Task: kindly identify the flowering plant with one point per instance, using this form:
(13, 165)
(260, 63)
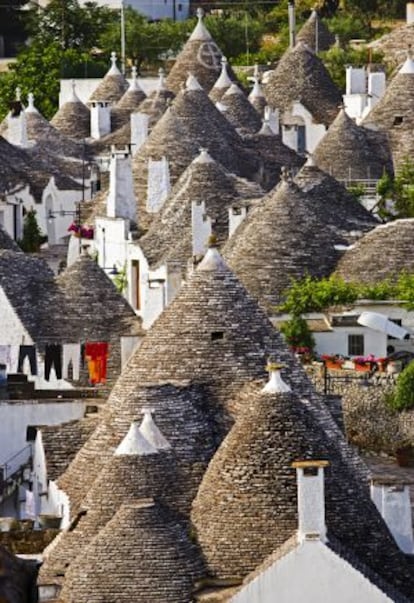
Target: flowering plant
(81, 230)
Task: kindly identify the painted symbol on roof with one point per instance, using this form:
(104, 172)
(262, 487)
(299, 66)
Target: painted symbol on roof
(209, 55)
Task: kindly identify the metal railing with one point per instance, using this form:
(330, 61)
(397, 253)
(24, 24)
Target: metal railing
(14, 464)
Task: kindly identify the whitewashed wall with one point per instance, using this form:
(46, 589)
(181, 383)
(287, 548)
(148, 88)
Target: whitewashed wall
(16, 416)
(311, 573)
(336, 341)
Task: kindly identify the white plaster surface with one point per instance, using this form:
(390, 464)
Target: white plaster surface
(311, 573)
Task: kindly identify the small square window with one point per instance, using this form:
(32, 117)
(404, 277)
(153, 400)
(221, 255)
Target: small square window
(216, 335)
(355, 345)
(398, 120)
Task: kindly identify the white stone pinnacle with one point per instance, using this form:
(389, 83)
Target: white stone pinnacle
(200, 31)
(161, 79)
(256, 90)
(275, 385)
(151, 432)
(408, 66)
(212, 260)
(234, 89)
(192, 83)
(204, 157)
(135, 443)
(223, 80)
(30, 104)
(114, 69)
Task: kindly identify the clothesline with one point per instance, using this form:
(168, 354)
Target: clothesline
(59, 357)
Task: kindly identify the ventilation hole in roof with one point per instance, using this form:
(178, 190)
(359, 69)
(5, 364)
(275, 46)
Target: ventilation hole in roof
(216, 335)
(398, 120)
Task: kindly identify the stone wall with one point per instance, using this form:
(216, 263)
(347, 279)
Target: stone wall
(31, 542)
(369, 423)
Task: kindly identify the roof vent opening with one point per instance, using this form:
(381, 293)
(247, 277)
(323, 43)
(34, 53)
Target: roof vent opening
(398, 120)
(216, 335)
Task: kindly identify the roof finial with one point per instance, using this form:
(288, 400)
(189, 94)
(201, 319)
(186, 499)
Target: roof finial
(30, 102)
(223, 80)
(408, 66)
(256, 72)
(275, 385)
(204, 156)
(161, 79)
(310, 162)
(151, 432)
(200, 14)
(134, 73)
(192, 83)
(200, 32)
(135, 443)
(285, 174)
(18, 94)
(113, 58)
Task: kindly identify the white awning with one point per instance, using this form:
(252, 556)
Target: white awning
(381, 323)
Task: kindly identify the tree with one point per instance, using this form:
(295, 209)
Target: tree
(12, 24)
(403, 398)
(337, 59)
(297, 334)
(397, 194)
(32, 236)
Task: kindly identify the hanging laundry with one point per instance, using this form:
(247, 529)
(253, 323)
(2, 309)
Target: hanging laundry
(96, 354)
(53, 357)
(27, 351)
(71, 354)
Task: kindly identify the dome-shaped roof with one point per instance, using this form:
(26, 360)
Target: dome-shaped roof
(192, 122)
(200, 55)
(112, 87)
(393, 112)
(365, 261)
(73, 118)
(281, 239)
(143, 554)
(239, 111)
(204, 181)
(333, 204)
(315, 34)
(301, 76)
(247, 502)
(351, 152)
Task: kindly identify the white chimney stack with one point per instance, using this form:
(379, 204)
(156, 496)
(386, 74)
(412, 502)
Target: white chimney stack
(311, 499)
(100, 119)
(410, 13)
(392, 499)
(201, 225)
(139, 130)
(121, 202)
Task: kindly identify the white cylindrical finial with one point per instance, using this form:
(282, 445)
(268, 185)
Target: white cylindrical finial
(310, 160)
(18, 94)
(275, 385)
(256, 73)
(150, 431)
(135, 443)
(30, 103)
(161, 79)
(113, 58)
(134, 73)
(200, 14)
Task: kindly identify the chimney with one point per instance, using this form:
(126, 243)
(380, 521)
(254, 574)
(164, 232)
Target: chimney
(237, 214)
(201, 227)
(121, 202)
(100, 119)
(392, 499)
(292, 23)
(311, 499)
(158, 186)
(410, 12)
(139, 130)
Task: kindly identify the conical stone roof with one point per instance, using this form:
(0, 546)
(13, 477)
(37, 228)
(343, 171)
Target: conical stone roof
(351, 152)
(192, 122)
(124, 479)
(112, 87)
(95, 309)
(315, 34)
(393, 45)
(212, 332)
(200, 55)
(281, 239)
(204, 181)
(156, 104)
(73, 118)
(301, 76)
(273, 155)
(128, 103)
(393, 112)
(223, 82)
(239, 111)
(6, 242)
(143, 554)
(333, 204)
(247, 503)
(29, 285)
(383, 253)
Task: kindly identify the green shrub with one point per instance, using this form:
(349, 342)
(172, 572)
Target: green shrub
(403, 398)
(297, 334)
